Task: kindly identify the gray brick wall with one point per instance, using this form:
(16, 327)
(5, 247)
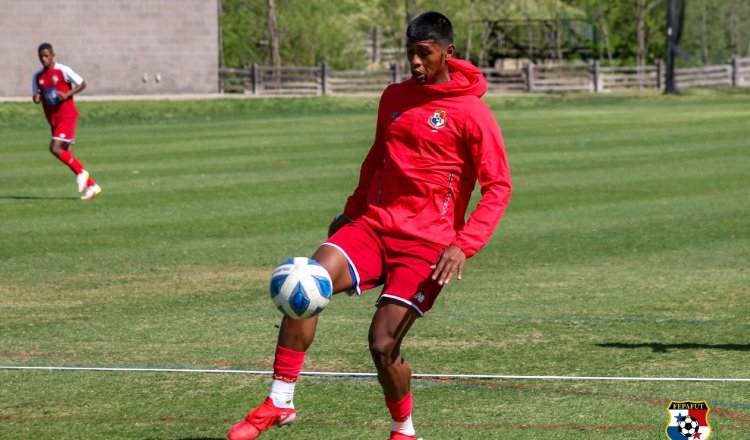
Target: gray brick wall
(120, 47)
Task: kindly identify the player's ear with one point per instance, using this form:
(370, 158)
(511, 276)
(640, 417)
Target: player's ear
(449, 51)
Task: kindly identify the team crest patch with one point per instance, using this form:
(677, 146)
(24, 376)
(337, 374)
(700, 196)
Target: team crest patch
(688, 421)
(438, 119)
(55, 79)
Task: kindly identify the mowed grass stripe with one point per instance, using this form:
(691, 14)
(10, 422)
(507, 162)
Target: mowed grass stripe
(622, 254)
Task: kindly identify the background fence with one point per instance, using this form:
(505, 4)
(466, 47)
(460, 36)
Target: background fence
(321, 80)
(306, 81)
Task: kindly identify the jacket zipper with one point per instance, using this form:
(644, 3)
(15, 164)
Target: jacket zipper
(447, 199)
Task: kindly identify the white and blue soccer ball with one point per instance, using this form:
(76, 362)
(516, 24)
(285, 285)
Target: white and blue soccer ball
(301, 288)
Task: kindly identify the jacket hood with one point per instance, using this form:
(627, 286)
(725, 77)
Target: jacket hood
(466, 79)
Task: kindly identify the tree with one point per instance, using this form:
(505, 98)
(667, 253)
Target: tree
(642, 9)
(243, 24)
(273, 32)
(714, 31)
(308, 32)
(292, 32)
(703, 18)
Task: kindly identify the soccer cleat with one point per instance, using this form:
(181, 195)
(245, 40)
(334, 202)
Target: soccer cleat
(398, 436)
(261, 419)
(91, 192)
(81, 179)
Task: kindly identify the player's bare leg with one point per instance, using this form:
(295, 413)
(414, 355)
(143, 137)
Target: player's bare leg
(295, 337)
(298, 334)
(389, 326)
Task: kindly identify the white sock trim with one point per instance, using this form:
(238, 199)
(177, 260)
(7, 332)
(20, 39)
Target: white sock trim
(406, 427)
(282, 393)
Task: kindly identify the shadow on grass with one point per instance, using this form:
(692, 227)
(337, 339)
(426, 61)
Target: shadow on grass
(36, 198)
(658, 347)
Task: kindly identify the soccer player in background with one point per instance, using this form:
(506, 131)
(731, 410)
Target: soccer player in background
(54, 86)
(404, 226)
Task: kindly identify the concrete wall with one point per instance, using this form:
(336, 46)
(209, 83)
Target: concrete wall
(118, 46)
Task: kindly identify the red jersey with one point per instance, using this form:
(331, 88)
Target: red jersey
(59, 78)
(432, 144)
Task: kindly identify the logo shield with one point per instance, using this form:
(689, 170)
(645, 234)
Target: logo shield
(688, 420)
(438, 119)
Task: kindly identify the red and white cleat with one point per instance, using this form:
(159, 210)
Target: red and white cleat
(91, 192)
(260, 419)
(398, 436)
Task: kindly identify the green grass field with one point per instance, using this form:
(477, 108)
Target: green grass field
(624, 252)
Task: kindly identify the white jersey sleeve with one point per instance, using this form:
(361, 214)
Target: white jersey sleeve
(70, 75)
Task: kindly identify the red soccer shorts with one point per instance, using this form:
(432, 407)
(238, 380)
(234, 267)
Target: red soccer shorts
(63, 129)
(402, 266)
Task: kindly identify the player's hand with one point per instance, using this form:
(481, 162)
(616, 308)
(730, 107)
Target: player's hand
(338, 221)
(37, 98)
(62, 96)
(450, 261)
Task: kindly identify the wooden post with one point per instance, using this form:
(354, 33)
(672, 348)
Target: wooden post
(597, 72)
(324, 78)
(254, 80)
(659, 73)
(735, 73)
(529, 68)
(396, 70)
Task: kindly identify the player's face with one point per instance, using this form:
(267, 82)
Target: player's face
(47, 58)
(428, 61)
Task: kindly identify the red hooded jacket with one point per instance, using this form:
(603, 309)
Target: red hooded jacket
(432, 144)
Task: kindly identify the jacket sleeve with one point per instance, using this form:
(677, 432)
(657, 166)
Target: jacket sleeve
(356, 204)
(484, 141)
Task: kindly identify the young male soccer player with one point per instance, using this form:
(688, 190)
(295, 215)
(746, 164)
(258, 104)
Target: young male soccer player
(404, 226)
(54, 86)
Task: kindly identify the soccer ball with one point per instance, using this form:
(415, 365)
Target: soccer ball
(301, 287)
(688, 426)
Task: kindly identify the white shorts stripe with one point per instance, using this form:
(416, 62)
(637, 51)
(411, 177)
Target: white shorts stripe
(355, 288)
(407, 302)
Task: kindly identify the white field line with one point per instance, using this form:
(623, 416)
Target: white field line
(415, 375)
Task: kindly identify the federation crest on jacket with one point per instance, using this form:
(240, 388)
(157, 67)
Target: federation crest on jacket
(438, 119)
(688, 421)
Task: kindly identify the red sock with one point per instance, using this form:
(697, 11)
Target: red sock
(400, 410)
(69, 160)
(287, 364)
(90, 182)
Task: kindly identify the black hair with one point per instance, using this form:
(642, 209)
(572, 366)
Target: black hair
(430, 26)
(45, 46)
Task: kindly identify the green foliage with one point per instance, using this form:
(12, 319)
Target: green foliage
(313, 31)
(620, 21)
(623, 253)
(715, 31)
(244, 33)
